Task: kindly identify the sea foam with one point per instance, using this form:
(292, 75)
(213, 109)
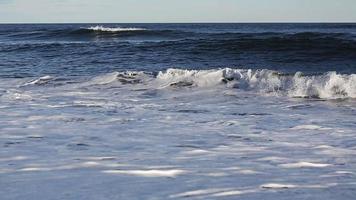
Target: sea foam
(330, 85)
(114, 29)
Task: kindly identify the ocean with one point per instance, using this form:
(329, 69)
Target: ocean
(177, 111)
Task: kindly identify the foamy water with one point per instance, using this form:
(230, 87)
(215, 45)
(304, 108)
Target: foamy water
(195, 134)
(177, 111)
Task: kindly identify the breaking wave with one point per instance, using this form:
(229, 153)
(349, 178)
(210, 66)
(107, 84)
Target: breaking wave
(116, 29)
(330, 85)
(129, 77)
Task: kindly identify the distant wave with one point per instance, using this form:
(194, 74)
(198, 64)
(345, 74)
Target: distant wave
(314, 43)
(116, 29)
(96, 32)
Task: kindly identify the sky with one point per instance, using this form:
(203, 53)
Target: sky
(130, 11)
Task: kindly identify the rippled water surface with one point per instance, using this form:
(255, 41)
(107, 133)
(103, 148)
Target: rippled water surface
(178, 111)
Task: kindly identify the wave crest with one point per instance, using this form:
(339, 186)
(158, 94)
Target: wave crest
(326, 86)
(39, 81)
(330, 85)
(128, 77)
(116, 29)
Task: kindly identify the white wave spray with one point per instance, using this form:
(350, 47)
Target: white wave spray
(330, 85)
(326, 86)
(116, 29)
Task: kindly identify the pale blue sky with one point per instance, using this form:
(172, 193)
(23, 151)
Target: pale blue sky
(97, 11)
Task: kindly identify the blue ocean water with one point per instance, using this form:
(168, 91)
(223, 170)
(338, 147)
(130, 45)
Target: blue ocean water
(89, 49)
(177, 111)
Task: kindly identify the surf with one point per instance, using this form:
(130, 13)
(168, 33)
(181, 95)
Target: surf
(329, 85)
(114, 29)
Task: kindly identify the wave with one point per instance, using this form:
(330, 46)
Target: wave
(128, 77)
(39, 81)
(95, 32)
(116, 29)
(298, 47)
(329, 85)
(244, 39)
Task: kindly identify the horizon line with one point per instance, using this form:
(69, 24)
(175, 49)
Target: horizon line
(204, 22)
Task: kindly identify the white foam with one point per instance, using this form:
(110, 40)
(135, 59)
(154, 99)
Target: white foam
(213, 192)
(119, 77)
(15, 158)
(229, 193)
(194, 193)
(277, 186)
(304, 165)
(309, 127)
(115, 29)
(18, 95)
(39, 81)
(34, 169)
(154, 141)
(266, 82)
(148, 173)
(328, 86)
(200, 78)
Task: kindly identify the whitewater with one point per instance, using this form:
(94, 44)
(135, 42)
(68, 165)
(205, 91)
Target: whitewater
(113, 29)
(237, 133)
(178, 111)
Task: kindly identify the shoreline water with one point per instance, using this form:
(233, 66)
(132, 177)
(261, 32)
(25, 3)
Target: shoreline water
(107, 116)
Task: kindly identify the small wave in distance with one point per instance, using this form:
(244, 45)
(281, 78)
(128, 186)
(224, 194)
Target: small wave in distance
(114, 29)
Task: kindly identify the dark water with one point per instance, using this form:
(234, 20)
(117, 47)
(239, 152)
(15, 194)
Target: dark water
(75, 49)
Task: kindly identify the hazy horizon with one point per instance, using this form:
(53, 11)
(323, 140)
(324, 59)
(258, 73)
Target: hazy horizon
(222, 22)
(183, 11)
